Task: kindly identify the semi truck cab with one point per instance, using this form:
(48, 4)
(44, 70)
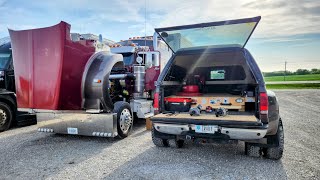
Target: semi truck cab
(6, 67)
(9, 115)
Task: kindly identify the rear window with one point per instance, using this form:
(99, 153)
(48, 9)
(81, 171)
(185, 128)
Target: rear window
(221, 73)
(217, 74)
(207, 67)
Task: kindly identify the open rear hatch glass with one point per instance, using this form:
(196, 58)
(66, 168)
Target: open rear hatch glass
(232, 33)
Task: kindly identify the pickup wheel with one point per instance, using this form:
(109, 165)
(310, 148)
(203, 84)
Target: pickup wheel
(276, 152)
(175, 143)
(124, 118)
(5, 116)
(253, 151)
(158, 141)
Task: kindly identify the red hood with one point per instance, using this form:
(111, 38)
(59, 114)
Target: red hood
(48, 67)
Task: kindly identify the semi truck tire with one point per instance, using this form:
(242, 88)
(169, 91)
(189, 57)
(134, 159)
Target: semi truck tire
(6, 115)
(276, 152)
(124, 118)
(156, 140)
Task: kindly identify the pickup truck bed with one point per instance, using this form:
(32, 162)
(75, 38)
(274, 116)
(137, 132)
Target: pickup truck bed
(207, 100)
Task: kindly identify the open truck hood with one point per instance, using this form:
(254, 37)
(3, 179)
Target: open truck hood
(232, 33)
(48, 67)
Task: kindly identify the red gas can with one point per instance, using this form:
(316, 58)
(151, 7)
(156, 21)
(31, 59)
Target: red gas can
(191, 89)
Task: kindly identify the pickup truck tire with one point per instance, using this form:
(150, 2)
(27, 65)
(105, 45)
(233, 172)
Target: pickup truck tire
(251, 150)
(158, 141)
(276, 152)
(124, 118)
(175, 143)
(6, 115)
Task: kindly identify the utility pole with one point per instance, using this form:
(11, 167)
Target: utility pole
(285, 70)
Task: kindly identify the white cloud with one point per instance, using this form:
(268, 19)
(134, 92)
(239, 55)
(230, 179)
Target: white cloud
(283, 21)
(279, 18)
(282, 39)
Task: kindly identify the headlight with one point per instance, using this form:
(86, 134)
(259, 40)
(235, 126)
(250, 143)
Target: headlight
(1, 73)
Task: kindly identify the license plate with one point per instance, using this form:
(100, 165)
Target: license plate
(72, 130)
(206, 129)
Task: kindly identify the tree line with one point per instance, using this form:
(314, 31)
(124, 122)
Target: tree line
(297, 72)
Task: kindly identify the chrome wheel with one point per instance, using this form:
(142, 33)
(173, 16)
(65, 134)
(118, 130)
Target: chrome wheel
(3, 117)
(125, 120)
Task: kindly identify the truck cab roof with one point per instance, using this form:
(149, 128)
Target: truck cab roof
(6, 47)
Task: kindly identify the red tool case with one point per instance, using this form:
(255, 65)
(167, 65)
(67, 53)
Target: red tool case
(178, 104)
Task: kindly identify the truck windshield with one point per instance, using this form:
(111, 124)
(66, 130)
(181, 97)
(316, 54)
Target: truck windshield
(4, 59)
(128, 58)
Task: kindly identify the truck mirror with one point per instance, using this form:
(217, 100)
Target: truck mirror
(148, 60)
(139, 60)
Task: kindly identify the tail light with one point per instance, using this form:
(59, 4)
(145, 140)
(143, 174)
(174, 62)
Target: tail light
(263, 103)
(156, 103)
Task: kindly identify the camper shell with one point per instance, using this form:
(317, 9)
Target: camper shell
(229, 99)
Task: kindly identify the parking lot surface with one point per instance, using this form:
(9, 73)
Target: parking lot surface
(27, 154)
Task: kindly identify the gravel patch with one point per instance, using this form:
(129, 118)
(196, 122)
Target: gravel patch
(27, 154)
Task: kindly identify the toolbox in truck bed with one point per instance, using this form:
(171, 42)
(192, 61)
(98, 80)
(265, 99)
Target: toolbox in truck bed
(181, 104)
(224, 100)
(206, 116)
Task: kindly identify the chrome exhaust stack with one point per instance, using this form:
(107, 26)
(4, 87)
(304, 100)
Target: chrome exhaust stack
(155, 41)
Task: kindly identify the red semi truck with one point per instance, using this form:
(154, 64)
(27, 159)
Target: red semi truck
(74, 89)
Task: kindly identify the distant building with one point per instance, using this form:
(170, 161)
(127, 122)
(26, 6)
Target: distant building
(88, 36)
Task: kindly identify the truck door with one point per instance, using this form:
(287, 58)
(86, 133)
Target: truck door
(9, 77)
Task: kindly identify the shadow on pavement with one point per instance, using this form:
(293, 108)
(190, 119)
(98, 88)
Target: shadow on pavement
(28, 154)
(210, 161)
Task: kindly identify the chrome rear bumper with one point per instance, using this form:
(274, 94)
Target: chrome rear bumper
(233, 133)
(77, 123)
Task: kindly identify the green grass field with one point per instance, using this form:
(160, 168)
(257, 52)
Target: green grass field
(293, 86)
(308, 77)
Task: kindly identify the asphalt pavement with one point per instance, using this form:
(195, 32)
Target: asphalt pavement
(27, 154)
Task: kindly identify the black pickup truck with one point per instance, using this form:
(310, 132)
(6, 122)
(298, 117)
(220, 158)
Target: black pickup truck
(212, 90)
(9, 115)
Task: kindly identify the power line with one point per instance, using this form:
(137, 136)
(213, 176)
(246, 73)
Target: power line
(291, 62)
(145, 23)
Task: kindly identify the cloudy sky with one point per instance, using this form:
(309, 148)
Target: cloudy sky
(288, 31)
